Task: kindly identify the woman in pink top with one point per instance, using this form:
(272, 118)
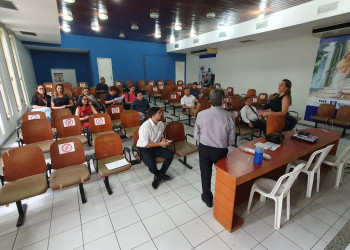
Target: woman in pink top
(130, 97)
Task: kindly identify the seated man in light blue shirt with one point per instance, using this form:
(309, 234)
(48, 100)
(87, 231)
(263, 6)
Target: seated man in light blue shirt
(151, 144)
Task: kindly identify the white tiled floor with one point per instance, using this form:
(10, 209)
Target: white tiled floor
(136, 216)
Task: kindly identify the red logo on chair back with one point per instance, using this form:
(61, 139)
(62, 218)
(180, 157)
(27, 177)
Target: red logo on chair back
(115, 110)
(33, 117)
(69, 122)
(49, 86)
(217, 86)
(82, 84)
(229, 90)
(173, 96)
(179, 87)
(99, 121)
(161, 87)
(150, 83)
(66, 148)
(200, 86)
(155, 89)
(49, 93)
(227, 99)
(255, 99)
(179, 93)
(118, 83)
(262, 97)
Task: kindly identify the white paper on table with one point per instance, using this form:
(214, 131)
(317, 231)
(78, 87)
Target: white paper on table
(117, 164)
(268, 145)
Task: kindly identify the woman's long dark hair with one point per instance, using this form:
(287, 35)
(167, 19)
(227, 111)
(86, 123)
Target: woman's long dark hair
(37, 94)
(289, 89)
(80, 102)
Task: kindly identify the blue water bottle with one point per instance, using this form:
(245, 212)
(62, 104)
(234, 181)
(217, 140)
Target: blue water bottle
(258, 155)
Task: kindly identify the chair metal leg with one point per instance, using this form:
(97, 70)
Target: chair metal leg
(82, 193)
(184, 161)
(21, 212)
(108, 187)
(235, 142)
(174, 112)
(189, 121)
(165, 107)
(343, 134)
(316, 124)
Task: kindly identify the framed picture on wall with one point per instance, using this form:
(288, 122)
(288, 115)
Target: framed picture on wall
(58, 77)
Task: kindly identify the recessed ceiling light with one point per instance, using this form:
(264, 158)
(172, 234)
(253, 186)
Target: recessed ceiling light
(154, 14)
(121, 35)
(95, 26)
(157, 35)
(178, 26)
(66, 28)
(69, 1)
(172, 39)
(193, 34)
(134, 26)
(68, 17)
(211, 15)
(103, 15)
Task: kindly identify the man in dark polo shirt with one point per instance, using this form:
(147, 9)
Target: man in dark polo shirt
(102, 87)
(141, 106)
(195, 91)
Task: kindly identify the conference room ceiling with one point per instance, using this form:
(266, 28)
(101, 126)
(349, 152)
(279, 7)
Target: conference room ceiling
(191, 16)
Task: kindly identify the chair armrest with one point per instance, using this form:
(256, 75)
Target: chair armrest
(48, 167)
(17, 131)
(171, 119)
(192, 137)
(295, 112)
(2, 180)
(121, 129)
(88, 158)
(20, 142)
(127, 152)
(94, 160)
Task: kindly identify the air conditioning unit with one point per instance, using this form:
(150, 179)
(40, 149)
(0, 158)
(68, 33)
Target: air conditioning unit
(209, 51)
(332, 30)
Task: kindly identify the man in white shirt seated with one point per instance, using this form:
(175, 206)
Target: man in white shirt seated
(188, 103)
(152, 144)
(251, 116)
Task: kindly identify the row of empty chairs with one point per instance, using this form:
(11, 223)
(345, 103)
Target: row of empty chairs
(326, 114)
(280, 189)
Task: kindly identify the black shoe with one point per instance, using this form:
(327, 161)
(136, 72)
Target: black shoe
(155, 183)
(209, 204)
(166, 177)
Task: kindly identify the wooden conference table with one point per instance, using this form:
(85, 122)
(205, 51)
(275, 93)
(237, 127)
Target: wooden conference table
(235, 169)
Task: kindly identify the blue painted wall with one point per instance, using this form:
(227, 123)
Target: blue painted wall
(131, 60)
(44, 61)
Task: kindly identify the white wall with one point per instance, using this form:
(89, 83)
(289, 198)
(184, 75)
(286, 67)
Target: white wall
(263, 65)
(7, 126)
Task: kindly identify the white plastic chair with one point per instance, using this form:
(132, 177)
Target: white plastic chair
(339, 163)
(312, 167)
(276, 190)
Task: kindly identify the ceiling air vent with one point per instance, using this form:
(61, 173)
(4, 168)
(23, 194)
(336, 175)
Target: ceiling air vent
(176, 46)
(332, 30)
(327, 8)
(28, 33)
(261, 25)
(247, 41)
(222, 34)
(7, 5)
(195, 40)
